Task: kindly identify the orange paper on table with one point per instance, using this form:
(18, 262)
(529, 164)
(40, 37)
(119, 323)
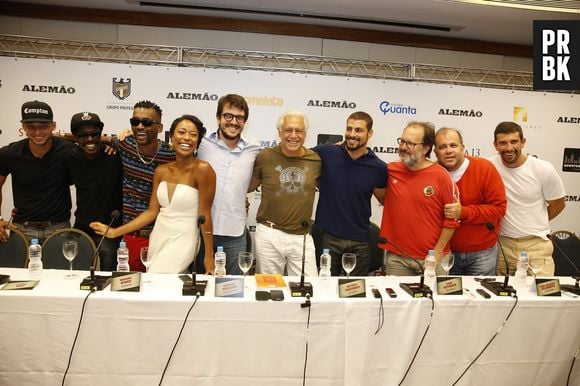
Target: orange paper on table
(269, 281)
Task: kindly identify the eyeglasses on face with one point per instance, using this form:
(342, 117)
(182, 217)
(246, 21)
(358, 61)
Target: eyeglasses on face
(410, 145)
(84, 136)
(146, 122)
(229, 116)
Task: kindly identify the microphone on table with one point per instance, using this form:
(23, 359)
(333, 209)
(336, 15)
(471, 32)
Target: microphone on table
(96, 282)
(302, 289)
(195, 287)
(383, 271)
(568, 287)
(416, 290)
(12, 215)
(499, 289)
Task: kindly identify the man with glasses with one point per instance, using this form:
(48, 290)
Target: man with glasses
(483, 202)
(98, 178)
(232, 158)
(289, 174)
(140, 154)
(40, 185)
(535, 195)
(417, 192)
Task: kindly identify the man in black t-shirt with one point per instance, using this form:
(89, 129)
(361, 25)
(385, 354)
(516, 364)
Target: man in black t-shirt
(98, 179)
(40, 185)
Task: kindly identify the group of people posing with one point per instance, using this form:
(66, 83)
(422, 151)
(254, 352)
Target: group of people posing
(456, 203)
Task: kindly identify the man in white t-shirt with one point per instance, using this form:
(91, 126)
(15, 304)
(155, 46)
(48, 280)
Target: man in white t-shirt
(535, 195)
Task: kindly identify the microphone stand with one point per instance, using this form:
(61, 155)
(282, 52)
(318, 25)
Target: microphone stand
(497, 288)
(416, 290)
(98, 282)
(573, 288)
(196, 287)
(302, 289)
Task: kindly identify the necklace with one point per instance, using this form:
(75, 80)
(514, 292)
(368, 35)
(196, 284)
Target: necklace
(154, 155)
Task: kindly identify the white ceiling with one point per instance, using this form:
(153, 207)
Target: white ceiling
(466, 18)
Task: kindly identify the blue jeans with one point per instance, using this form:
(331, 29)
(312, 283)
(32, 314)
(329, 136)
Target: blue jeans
(232, 247)
(107, 252)
(32, 232)
(480, 263)
(337, 246)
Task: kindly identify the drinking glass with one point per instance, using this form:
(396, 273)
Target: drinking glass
(70, 248)
(447, 262)
(348, 263)
(536, 265)
(146, 260)
(245, 260)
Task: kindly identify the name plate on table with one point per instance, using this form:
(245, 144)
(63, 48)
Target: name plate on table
(449, 285)
(548, 287)
(126, 281)
(20, 285)
(352, 288)
(229, 287)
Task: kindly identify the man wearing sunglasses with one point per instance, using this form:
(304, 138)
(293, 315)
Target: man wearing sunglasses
(232, 158)
(140, 154)
(98, 178)
(40, 185)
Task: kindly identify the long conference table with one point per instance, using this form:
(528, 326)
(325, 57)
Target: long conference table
(126, 337)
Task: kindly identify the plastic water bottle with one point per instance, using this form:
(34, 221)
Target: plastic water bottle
(123, 258)
(430, 264)
(220, 262)
(325, 260)
(522, 269)
(34, 260)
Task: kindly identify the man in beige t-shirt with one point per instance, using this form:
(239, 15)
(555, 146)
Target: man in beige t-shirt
(289, 174)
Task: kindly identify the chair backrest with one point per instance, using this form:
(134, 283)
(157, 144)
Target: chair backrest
(376, 253)
(568, 244)
(53, 258)
(14, 252)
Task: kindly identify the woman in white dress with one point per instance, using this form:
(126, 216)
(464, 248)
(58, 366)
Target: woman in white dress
(184, 189)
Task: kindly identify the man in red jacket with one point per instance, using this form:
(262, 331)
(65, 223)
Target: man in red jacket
(483, 201)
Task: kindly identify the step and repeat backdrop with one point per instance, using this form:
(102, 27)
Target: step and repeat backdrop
(551, 121)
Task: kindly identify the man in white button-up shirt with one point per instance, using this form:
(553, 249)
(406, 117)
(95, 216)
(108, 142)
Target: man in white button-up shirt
(232, 158)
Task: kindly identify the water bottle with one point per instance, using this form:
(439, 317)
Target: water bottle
(220, 262)
(34, 260)
(522, 269)
(123, 258)
(430, 264)
(325, 260)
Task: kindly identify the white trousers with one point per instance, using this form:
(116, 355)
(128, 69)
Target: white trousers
(276, 250)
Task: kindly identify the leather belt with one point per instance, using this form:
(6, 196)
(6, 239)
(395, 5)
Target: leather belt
(38, 224)
(269, 224)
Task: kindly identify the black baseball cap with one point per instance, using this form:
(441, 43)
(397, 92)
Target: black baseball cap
(36, 111)
(83, 119)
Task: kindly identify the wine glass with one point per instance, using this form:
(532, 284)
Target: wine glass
(245, 260)
(348, 263)
(447, 262)
(146, 260)
(536, 265)
(70, 248)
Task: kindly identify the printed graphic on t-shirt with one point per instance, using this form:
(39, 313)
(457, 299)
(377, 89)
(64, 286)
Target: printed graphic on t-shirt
(292, 180)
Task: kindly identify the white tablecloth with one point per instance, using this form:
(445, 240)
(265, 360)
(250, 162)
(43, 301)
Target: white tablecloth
(126, 338)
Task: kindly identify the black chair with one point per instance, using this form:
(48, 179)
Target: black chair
(376, 253)
(14, 252)
(570, 245)
(53, 258)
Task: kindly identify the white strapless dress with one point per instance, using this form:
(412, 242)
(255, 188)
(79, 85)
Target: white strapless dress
(173, 241)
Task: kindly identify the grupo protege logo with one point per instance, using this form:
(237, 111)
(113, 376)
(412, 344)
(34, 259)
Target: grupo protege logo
(387, 107)
(121, 88)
